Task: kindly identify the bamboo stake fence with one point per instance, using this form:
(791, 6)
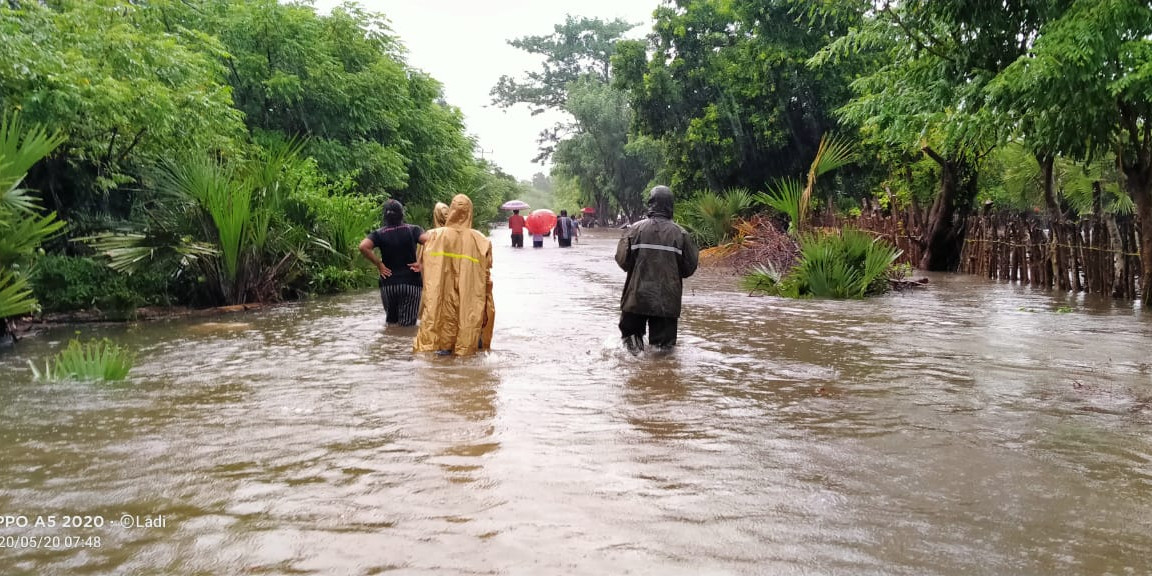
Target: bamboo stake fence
(1094, 254)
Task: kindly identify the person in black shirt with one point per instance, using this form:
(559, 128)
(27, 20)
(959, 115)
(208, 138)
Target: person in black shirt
(400, 281)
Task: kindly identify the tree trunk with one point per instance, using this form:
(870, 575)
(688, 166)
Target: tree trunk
(944, 237)
(1140, 188)
(1119, 258)
(1055, 226)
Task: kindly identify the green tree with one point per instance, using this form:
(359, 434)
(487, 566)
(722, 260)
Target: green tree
(124, 90)
(1084, 90)
(728, 91)
(578, 48)
(934, 60)
(612, 168)
(341, 80)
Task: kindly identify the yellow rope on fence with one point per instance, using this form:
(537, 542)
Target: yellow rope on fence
(1046, 245)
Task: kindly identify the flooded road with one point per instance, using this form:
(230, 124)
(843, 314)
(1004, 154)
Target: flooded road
(970, 428)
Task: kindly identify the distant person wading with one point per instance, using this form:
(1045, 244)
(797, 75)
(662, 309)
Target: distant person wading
(565, 230)
(516, 223)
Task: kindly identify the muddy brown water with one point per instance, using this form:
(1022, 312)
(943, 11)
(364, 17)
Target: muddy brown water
(969, 428)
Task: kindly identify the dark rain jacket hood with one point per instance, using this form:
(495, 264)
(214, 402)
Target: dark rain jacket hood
(660, 202)
(657, 254)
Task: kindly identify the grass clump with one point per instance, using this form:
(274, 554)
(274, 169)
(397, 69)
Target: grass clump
(846, 264)
(94, 360)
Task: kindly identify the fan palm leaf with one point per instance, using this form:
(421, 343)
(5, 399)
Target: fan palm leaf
(832, 153)
(15, 295)
(223, 196)
(131, 252)
(784, 196)
(20, 149)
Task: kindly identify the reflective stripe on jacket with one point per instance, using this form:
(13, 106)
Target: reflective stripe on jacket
(657, 254)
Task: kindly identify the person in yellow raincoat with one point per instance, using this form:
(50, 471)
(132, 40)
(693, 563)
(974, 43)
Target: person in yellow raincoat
(458, 314)
(439, 215)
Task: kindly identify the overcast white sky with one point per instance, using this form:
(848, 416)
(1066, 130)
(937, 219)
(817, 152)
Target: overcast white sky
(463, 44)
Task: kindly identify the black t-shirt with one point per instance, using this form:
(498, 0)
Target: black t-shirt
(397, 245)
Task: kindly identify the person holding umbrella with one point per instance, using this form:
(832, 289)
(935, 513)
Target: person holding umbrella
(540, 222)
(516, 223)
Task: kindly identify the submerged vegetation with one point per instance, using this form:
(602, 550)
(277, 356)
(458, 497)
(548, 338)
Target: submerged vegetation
(93, 360)
(836, 264)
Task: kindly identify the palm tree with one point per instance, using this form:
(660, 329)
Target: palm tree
(22, 227)
(238, 239)
(787, 196)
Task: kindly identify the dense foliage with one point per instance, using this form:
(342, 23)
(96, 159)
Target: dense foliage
(1029, 105)
(236, 149)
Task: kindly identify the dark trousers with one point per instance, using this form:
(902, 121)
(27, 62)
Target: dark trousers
(662, 331)
(565, 242)
(517, 240)
(401, 303)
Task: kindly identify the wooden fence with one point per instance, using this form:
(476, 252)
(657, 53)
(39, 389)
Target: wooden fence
(1094, 254)
(902, 230)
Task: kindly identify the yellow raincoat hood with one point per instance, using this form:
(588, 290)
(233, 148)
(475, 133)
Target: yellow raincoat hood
(439, 215)
(457, 313)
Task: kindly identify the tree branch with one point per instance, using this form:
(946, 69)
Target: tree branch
(916, 39)
(934, 155)
(111, 143)
(982, 155)
(135, 141)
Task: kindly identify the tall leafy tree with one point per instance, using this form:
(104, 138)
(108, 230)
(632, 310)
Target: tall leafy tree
(612, 167)
(728, 90)
(341, 80)
(579, 47)
(927, 93)
(1084, 89)
(123, 89)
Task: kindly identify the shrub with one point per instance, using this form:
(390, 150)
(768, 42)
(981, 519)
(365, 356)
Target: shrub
(843, 264)
(67, 283)
(333, 279)
(711, 218)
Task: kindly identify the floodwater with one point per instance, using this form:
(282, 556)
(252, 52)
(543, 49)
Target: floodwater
(968, 428)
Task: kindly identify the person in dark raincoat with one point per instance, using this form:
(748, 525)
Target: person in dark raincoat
(658, 255)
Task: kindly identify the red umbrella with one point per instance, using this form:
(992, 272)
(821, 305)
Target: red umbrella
(541, 221)
(589, 210)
